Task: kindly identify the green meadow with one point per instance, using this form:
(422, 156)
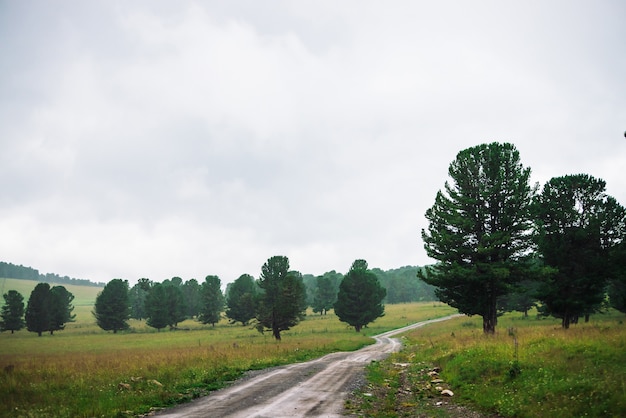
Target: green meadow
(84, 296)
(530, 368)
(83, 371)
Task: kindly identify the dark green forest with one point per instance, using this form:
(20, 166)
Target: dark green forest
(13, 271)
(402, 284)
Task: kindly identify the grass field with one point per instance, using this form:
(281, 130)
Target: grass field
(530, 368)
(84, 371)
(84, 296)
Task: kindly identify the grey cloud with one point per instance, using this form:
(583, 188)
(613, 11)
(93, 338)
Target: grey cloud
(198, 138)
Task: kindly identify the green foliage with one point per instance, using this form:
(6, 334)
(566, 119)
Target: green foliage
(325, 295)
(522, 297)
(191, 298)
(12, 312)
(112, 309)
(403, 286)
(174, 300)
(61, 308)
(48, 309)
(9, 270)
(158, 306)
(137, 298)
(577, 227)
(241, 300)
(18, 272)
(479, 230)
(38, 309)
(211, 301)
(551, 373)
(360, 297)
(282, 302)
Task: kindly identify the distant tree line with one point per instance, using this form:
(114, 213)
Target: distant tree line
(13, 271)
(401, 285)
(504, 245)
(275, 302)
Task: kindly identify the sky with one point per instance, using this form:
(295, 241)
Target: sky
(192, 138)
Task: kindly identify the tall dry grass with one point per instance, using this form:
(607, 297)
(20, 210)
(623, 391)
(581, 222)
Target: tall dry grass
(83, 371)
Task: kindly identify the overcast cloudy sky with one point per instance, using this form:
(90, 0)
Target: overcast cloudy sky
(160, 138)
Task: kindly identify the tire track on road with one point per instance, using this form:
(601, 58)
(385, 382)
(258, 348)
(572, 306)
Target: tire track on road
(316, 388)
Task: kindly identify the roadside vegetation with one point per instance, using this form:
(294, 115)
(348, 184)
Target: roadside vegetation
(85, 371)
(530, 368)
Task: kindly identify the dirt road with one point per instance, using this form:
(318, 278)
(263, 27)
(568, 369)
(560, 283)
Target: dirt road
(316, 388)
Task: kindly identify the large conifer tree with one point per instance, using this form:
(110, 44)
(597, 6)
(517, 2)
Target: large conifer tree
(38, 309)
(360, 297)
(112, 308)
(61, 308)
(324, 296)
(12, 314)
(157, 307)
(211, 300)
(578, 226)
(241, 300)
(282, 303)
(480, 230)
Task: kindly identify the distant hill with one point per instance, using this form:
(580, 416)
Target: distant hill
(13, 271)
(83, 295)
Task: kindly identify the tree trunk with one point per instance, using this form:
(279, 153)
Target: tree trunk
(115, 331)
(490, 319)
(565, 321)
(489, 325)
(276, 333)
(357, 328)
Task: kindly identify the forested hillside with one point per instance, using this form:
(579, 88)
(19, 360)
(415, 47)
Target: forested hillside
(402, 285)
(13, 271)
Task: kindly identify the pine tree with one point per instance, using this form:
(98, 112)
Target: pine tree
(112, 309)
(241, 300)
(282, 303)
(157, 309)
(12, 313)
(480, 231)
(325, 295)
(211, 301)
(60, 308)
(578, 225)
(360, 297)
(38, 309)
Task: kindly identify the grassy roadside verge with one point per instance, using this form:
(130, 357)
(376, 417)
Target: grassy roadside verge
(86, 372)
(530, 368)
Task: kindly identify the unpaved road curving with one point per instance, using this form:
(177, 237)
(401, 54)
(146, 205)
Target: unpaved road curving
(316, 388)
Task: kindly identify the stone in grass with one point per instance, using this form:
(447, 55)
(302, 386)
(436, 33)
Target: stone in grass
(401, 365)
(447, 392)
